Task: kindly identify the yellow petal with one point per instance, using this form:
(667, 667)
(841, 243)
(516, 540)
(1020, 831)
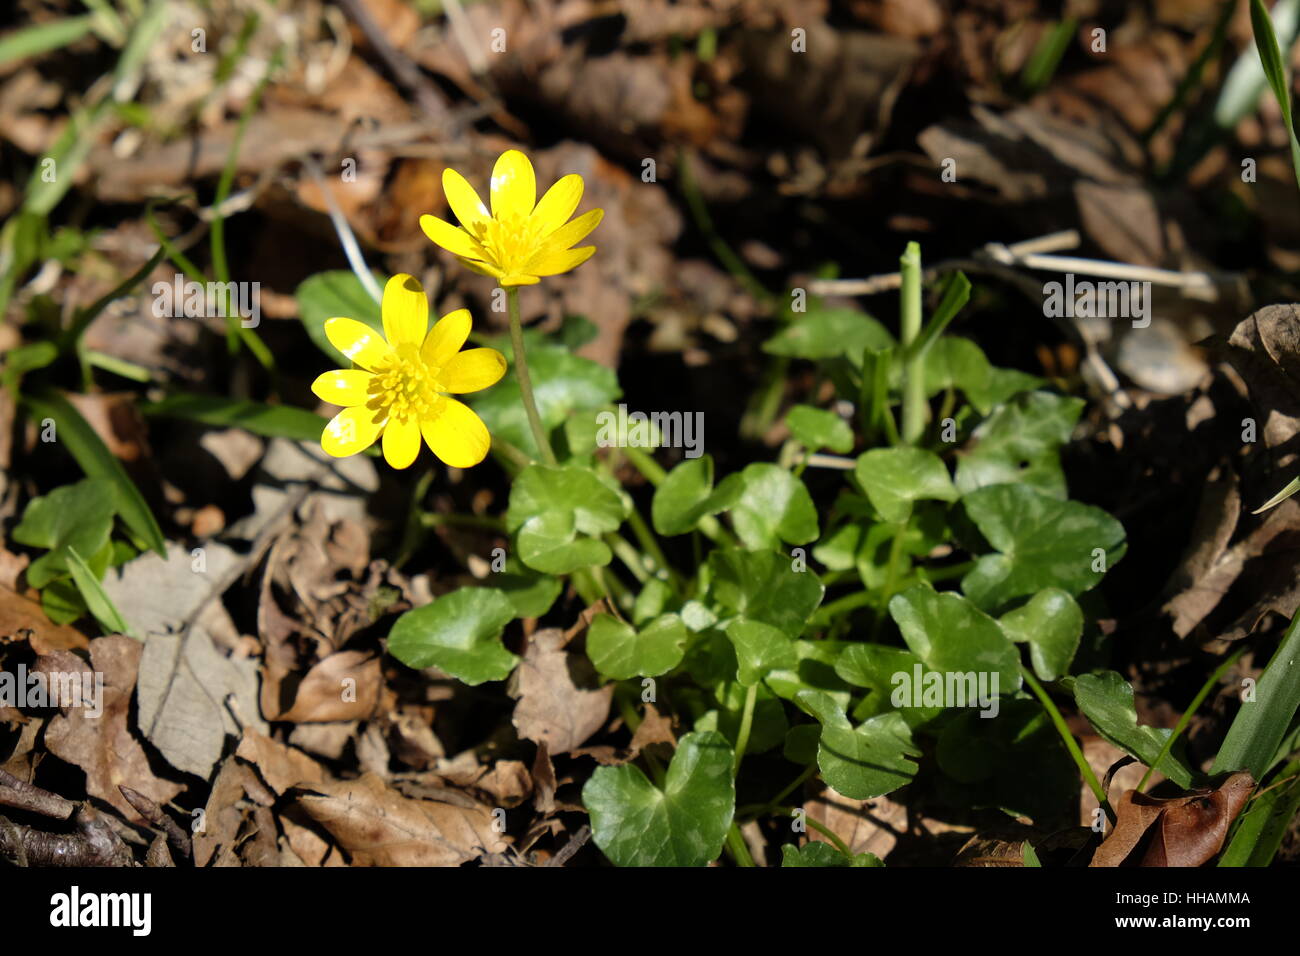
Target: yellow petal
(351, 430)
(445, 338)
(358, 341)
(556, 262)
(456, 241)
(558, 204)
(401, 442)
(518, 279)
(343, 386)
(405, 310)
(472, 370)
(482, 268)
(457, 436)
(569, 234)
(514, 186)
(464, 201)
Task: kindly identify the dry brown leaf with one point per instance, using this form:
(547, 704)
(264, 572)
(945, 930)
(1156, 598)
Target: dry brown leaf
(377, 826)
(103, 746)
(551, 707)
(280, 766)
(343, 686)
(21, 617)
(1188, 830)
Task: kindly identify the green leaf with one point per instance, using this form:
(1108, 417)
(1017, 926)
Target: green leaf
(763, 586)
(951, 635)
(1260, 725)
(816, 853)
(531, 593)
(619, 651)
(333, 294)
(1028, 856)
(827, 333)
(686, 495)
(78, 516)
(1106, 699)
(817, 428)
(551, 506)
(270, 421)
(813, 669)
(760, 649)
(1020, 443)
(98, 462)
(97, 601)
(1043, 542)
(1275, 71)
(1265, 823)
(1051, 623)
(893, 478)
(636, 824)
(562, 384)
(959, 363)
(863, 762)
(459, 633)
(769, 505)
(768, 726)
(62, 602)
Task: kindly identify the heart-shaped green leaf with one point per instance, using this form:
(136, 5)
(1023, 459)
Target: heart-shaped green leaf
(459, 633)
(1020, 443)
(551, 506)
(531, 593)
(1051, 623)
(827, 333)
(951, 635)
(893, 478)
(1043, 542)
(636, 824)
(954, 362)
(1106, 699)
(620, 651)
(77, 516)
(769, 505)
(867, 761)
(816, 428)
(686, 495)
(760, 649)
(763, 586)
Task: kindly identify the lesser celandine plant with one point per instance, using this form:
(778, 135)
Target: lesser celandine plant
(960, 574)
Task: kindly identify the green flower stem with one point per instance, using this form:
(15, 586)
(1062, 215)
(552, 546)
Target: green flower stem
(1190, 712)
(914, 405)
(1059, 722)
(453, 520)
(628, 555)
(746, 724)
(650, 544)
(525, 381)
(736, 845)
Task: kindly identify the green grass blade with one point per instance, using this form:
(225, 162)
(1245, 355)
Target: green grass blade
(98, 462)
(33, 41)
(1258, 729)
(97, 600)
(270, 421)
(1270, 56)
(1260, 830)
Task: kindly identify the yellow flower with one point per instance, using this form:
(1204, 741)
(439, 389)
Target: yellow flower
(396, 387)
(521, 238)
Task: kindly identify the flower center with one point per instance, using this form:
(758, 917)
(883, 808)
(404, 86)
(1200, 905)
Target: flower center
(509, 240)
(406, 386)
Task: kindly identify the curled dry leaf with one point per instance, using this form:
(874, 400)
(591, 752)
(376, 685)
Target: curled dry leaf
(1174, 831)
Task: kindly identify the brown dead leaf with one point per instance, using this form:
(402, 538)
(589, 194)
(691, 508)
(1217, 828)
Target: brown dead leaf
(377, 826)
(1265, 349)
(21, 617)
(103, 745)
(344, 686)
(280, 766)
(551, 706)
(1184, 831)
